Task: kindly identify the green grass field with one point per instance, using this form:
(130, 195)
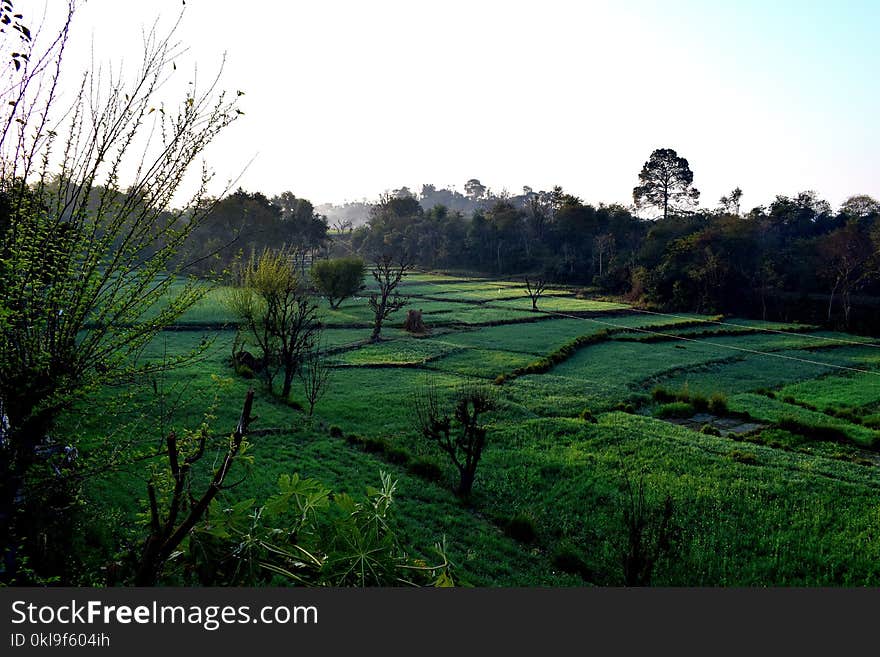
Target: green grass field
(752, 511)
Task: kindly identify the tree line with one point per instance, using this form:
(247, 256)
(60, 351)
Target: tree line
(796, 258)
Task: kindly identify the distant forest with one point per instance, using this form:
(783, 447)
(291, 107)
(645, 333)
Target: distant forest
(796, 259)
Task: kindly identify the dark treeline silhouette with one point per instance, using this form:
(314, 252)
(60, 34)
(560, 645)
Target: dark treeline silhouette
(244, 223)
(794, 259)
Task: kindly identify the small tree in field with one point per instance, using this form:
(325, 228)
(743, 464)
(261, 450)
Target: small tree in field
(457, 430)
(339, 278)
(278, 313)
(315, 376)
(387, 273)
(535, 289)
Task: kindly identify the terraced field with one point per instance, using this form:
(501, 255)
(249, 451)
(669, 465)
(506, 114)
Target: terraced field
(792, 503)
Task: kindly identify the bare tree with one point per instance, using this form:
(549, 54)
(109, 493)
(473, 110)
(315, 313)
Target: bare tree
(315, 375)
(535, 289)
(184, 509)
(603, 248)
(457, 430)
(387, 272)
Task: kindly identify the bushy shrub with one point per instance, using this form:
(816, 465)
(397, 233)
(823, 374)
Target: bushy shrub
(335, 431)
(709, 430)
(338, 279)
(587, 416)
(675, 410)
(662, 395)
(698, 401)
(718, 403)
(775, 437)
(821, 432)
(521, 527)
(744, 457)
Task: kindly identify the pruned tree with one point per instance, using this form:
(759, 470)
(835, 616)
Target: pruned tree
(315, 374)
(456, 427)
(338, 278)
(665, 182)
(90, 249)
(278, 313)
(535, 289)
(387, 272)
(183, 508)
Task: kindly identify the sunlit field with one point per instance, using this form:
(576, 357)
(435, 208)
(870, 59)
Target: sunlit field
(791, 501)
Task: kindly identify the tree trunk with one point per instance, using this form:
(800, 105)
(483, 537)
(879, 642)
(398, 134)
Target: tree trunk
(465, 483)
(289, 371)
(831, 299)
(377, 324)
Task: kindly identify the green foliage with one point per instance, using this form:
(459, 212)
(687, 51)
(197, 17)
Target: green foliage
(338, 278)
(306, 536)
(662, 395)
(90, 246)
(587, 416)
(744, 457)
(718, 403)
(816, 425)
(821, 432)
(278, 314)
(560, 355)
(675, 410)
(798, 519)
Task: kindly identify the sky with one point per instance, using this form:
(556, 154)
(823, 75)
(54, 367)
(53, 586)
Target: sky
(346, 99)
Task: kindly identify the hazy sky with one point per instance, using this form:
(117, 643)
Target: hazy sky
(347, 99)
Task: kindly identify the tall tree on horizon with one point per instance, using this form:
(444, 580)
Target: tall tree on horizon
(665, 181)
